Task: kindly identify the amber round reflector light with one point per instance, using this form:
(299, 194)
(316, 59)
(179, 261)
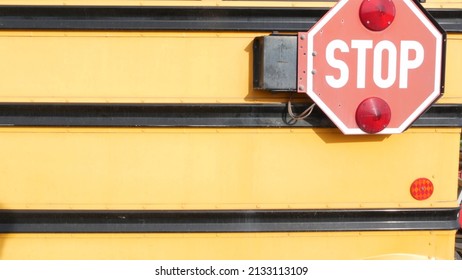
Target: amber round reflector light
(373, 115)
(377, 15)
(422, 189)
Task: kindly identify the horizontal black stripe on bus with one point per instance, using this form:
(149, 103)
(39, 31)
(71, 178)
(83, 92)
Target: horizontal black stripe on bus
(184, 221)
(189, 115)
(39, 17)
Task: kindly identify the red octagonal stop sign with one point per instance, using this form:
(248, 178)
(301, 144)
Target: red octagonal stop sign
(373, 66)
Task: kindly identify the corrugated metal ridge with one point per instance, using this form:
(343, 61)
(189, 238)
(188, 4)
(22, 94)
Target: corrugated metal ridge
(184, 221)
(189, 115)
(118, 18)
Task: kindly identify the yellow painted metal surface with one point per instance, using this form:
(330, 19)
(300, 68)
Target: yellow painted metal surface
(146, 67)
(453, 90)
(126, 67)
(102, 168)
(248, 246)
(200, 168)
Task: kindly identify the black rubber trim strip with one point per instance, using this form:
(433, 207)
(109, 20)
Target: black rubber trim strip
(459, 242)
(183, 221)
(131, 18)
(188, 115)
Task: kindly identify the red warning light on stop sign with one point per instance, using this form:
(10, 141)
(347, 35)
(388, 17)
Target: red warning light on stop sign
(387, 50)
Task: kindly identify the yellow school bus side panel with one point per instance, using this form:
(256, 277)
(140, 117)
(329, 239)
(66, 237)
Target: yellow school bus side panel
(248, 246)
(57, 169)
(194, 168)
(453, 88)
(126, 67)
(147, 67)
